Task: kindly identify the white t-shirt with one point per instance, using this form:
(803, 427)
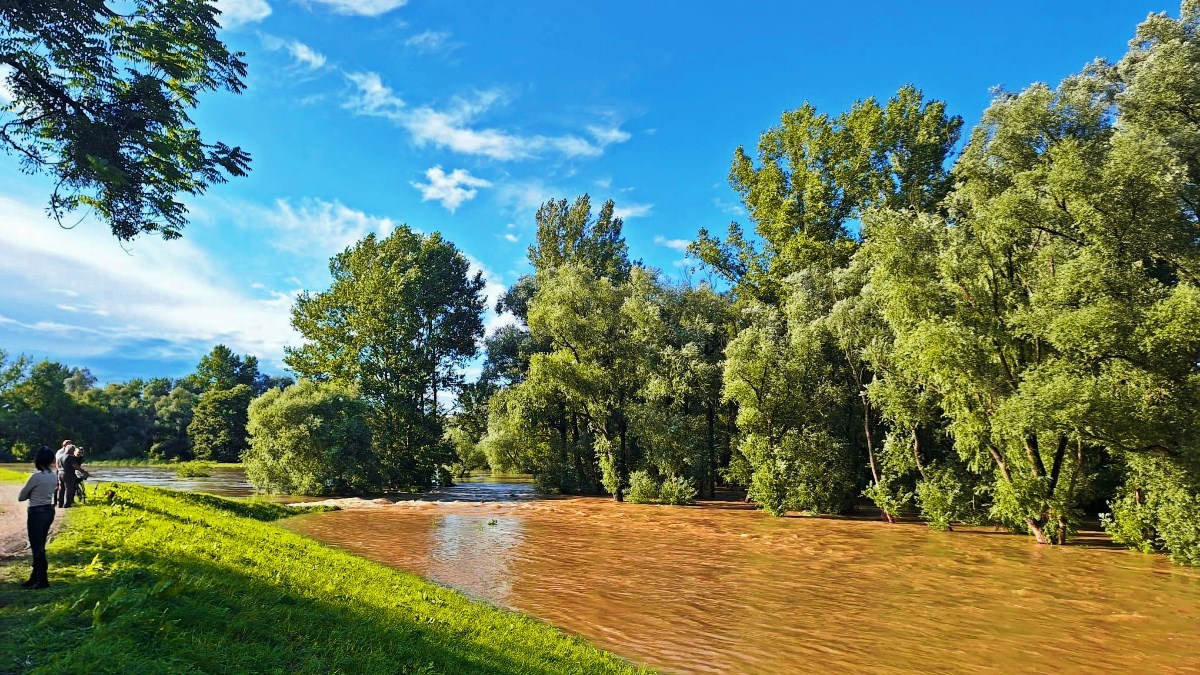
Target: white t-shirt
(39, 489)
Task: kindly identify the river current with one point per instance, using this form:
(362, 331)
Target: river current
(721, 588)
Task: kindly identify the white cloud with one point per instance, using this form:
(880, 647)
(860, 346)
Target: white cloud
(374, 98)
(523, 197)
(362, 7)
(728, 208)
(451, 189)
(609, 135)
(236, 13)
(453, 126)
(633, 211)
(431, 41)
(302, 55)
(6, 94)
(317, 228)
(673, 244)
(160, 291)
(493, 288)
(511, 237)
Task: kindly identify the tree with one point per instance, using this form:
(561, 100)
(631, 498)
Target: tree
(101, 95)
(218, 427)
(402, 315)
(312, 439)
(222, 369)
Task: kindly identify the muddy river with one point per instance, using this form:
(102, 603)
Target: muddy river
(720, 588)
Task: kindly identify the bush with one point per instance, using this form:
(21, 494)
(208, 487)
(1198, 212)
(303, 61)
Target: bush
(311, 439)
(642, 488)
(1158, 508)
(194, 469)
(677, 490)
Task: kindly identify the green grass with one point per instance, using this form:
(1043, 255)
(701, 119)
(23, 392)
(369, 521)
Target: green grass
(13, 476)
(165, 581)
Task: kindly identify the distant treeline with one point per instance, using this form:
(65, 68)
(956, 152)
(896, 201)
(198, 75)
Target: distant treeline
(201, 416)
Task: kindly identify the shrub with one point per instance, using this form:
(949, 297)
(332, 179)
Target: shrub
(642, 488)
(311, 439)
(677, 490)
(194, 469)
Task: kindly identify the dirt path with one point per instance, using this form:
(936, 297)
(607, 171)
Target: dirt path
(14, 538)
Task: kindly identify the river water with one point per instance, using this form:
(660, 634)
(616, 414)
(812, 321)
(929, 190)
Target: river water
(224, 481)
(721, 588)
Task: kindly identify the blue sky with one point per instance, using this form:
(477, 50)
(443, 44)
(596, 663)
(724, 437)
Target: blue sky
(464, 116)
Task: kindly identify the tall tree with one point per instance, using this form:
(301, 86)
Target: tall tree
(101, 94)
(402, 315)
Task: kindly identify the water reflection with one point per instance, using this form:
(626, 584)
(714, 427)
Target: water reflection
(488, 542)
(722, 589)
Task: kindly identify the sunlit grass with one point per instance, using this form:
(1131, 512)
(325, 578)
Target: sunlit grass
(165, 581)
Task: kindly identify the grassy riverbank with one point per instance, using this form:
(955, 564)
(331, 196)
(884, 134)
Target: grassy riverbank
(164, 581)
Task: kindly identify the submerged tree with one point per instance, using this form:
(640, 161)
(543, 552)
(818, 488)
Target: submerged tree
(402, 316)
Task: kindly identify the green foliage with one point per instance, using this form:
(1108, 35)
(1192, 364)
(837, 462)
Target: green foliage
(400, 319)
(101, 95)
(162, 581)
(218, 428)
(643, 489)
(1158, 508)
(194, 469)
(313, 439)
(676, 490)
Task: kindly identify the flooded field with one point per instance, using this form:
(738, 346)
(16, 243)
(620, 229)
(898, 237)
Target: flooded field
(720, 588)
(224, 481)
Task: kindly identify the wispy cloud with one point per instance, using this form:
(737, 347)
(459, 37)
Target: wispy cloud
(303, 56)
(373, 98)
(728, 208)
(524, 196)
(633, 211)
(316, 227)
(673, 244)
(432, 41)
(451, 189)
(509, 236)
(454, 127)
(163, 291)
(362, 7)
(235, 13)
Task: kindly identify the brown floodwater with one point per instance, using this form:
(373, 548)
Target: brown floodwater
(720, 588)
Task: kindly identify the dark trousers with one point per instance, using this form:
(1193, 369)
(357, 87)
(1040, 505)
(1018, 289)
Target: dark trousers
(67, 482)
(40, 518)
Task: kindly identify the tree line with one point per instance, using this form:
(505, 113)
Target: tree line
(200, 416)
(1004, 330)
(1008, 332)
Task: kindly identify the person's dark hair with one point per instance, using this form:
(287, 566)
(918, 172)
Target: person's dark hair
(44, 459)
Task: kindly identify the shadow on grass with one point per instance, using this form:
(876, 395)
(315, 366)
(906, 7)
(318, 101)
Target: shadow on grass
(276, 602)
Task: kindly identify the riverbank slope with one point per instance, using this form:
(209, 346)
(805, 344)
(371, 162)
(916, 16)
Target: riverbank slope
(171, 581)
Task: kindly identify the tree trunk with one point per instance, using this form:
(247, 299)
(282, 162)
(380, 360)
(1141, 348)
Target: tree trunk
(711, 485)
(866, 406)
(916, 448)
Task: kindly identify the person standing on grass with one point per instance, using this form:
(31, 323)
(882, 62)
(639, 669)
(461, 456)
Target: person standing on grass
(39, 492)
(58, 459)
(68, 479)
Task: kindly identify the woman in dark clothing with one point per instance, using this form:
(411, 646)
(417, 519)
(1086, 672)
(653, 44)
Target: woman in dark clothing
(39, 492)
